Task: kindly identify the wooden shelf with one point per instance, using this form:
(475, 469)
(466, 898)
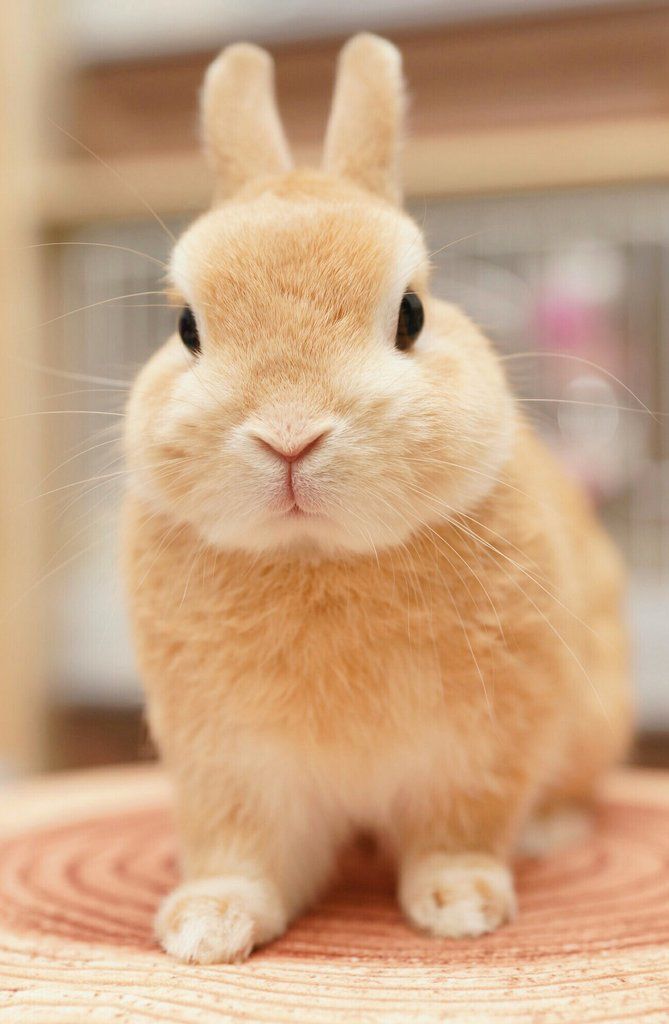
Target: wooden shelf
(79, 189)
(558, 99)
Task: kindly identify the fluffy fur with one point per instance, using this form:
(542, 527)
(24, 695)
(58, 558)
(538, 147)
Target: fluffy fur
(417, 628)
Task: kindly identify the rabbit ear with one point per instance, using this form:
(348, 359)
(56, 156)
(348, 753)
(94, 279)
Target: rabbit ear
(363, 135)
(242, 131)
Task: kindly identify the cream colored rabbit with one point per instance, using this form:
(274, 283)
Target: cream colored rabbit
(363, 594)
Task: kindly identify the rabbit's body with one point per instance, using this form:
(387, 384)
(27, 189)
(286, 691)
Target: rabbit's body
(435, 655)
(449, 645)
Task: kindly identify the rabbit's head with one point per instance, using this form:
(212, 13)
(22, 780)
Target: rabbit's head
(315, 396)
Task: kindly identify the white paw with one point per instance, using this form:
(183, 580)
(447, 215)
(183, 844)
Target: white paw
(457, 895)
(219, 920)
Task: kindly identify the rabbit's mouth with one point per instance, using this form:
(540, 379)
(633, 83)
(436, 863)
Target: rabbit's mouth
(294, 509)
(297, 512)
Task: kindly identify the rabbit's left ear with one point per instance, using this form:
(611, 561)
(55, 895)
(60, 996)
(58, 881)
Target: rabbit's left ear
(364, 132)
(242, 131)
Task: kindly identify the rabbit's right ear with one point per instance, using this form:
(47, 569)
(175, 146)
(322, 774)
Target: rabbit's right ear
(364, 132)
(242, 131)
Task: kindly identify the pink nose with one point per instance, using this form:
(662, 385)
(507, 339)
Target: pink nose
(292, 454)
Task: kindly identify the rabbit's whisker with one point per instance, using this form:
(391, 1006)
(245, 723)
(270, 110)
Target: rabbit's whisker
(112, 170)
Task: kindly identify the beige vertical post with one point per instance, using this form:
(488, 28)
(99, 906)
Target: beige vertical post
(21, 632)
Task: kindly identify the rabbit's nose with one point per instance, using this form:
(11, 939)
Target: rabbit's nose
(291, 453)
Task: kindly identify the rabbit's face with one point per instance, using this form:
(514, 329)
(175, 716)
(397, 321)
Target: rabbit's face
(320, 398)
(317, 398)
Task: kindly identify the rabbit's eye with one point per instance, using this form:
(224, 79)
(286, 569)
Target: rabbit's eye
(188, 329)
(409, 321)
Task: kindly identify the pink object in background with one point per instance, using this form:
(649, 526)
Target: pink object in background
(576, 318)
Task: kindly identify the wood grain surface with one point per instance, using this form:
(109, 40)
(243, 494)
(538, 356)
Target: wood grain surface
(84, 859)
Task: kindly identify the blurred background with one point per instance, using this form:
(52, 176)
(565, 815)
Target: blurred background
(539, 165)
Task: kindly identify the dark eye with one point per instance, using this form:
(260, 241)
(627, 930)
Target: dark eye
(409, 321)
(188, 329)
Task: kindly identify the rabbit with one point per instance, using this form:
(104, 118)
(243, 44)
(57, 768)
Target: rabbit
(363, 594)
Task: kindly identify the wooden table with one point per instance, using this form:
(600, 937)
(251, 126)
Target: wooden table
(84, 859)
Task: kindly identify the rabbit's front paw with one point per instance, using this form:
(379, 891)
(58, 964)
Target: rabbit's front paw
(219, 920)
(457, 895)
